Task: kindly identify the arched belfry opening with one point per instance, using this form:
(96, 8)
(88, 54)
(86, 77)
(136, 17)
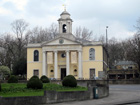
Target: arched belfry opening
(65, 23)
(64, 28)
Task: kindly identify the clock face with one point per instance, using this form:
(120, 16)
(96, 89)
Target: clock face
(61, 41)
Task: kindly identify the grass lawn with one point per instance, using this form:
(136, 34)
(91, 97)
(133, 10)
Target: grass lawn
(20, 89)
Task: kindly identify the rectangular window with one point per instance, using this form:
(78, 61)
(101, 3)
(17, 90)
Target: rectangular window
(36, 72)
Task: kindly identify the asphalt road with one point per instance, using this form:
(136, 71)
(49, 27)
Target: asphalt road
(119, 95)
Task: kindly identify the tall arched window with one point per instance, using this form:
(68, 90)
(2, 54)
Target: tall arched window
(91, 54)
(36, 55)
(64, 28)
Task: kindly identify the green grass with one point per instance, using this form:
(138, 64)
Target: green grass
(20, 89)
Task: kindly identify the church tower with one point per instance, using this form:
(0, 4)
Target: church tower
(65, 23)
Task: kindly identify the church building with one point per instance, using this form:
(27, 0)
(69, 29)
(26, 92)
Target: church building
(66, 55)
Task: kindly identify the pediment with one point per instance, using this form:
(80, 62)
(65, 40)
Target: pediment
(61, 41)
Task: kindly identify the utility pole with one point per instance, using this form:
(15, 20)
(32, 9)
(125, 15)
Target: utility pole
(106, 38)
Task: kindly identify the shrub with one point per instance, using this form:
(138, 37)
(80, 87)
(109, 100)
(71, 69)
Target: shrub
(69, 81)
(34, 77)
(4, 71)
(13, 79)
(34, 83)
(45, 79)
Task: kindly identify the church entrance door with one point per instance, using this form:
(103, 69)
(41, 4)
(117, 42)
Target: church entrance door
(63, 73)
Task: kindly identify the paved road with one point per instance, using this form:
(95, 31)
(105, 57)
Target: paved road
(119, 95)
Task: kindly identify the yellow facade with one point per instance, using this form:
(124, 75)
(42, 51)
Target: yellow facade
(87, 64)
(66, 55)
(31, 64)
(97, 64)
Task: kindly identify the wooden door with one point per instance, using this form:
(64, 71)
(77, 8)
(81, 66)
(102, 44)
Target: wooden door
(63, 73)
(92, 73)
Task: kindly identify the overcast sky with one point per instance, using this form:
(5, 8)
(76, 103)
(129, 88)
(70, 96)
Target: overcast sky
(119, 15)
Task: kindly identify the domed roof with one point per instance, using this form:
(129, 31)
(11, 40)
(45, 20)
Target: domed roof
(64, 13)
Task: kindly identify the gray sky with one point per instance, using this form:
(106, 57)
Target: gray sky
(119, 15)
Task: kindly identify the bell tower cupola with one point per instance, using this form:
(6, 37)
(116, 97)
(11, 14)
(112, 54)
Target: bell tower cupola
(65, 23)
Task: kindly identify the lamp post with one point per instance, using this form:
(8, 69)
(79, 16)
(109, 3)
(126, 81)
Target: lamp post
(107, 51)
(106, 37)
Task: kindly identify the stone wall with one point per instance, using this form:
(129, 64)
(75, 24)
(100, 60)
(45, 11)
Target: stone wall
(54, 96)
(35, 100)
(103, 91)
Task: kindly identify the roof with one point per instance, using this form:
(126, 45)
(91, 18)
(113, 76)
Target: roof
(64, 13)
(60, 19)
(126, 63)
(69, 37)
(87, 42)
(65, 17)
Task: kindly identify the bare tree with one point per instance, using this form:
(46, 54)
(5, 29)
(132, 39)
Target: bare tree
(102, 39)
(83, 33)
(125, 49)
(138, 26)
(53, 31)
(7, 53)
(13, 45)
(134, 49)
(38, 34)
(19, 27)
(133, 52)
(115, 51)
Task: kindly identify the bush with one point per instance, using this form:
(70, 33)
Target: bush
(4, 71)
(34, 77)
(45, 79)
(34, 83)
(69, 81)
(13, 79)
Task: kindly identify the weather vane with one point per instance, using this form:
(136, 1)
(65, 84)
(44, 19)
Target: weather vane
(64, 7)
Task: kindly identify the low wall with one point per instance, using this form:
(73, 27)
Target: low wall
(124, 81)
(57, 97)
(35, 100)
(103, 91)
(101, 85)
(54, 96)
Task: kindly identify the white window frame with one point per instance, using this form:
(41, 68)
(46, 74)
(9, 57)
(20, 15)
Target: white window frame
(91, 54)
